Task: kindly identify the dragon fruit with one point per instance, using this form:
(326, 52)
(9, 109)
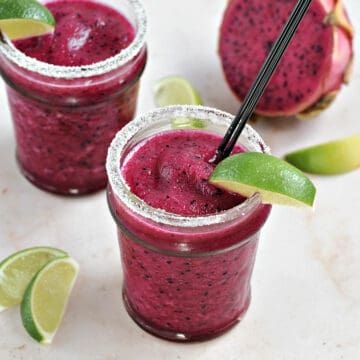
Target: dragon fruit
(313, 68)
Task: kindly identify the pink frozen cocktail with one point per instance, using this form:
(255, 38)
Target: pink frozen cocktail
(71, 91)
(187, 248)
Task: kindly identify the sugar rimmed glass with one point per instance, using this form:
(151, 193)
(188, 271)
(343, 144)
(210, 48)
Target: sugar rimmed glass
(186, 278)
(65, 116)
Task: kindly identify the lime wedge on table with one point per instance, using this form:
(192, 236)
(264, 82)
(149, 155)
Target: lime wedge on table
(25, 18)
(172, 90)
(46, 297)
(334, 157)
(275, 180)
(176, 90)
(17, 270)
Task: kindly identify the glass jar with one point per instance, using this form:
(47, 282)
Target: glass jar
(185, 278)
(65, 116)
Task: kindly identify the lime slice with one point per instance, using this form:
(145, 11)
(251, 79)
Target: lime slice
(275, 180)
(25, 18)
(334, 157)
(176, 90)
(46, 297)
(17, 270)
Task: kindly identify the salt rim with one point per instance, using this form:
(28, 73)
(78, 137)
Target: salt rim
(73, 72)
(137, 205)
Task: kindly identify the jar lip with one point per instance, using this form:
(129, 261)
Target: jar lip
(122, 190)
(73, 72)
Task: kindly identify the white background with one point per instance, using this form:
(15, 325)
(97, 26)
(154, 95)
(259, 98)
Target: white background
(306, 283)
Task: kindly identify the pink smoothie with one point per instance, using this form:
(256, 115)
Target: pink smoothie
(63, 127)
(195, 291)
(85, 33)
(171, 172)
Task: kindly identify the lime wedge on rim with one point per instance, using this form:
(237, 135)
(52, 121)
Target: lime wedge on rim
(330, 158)
(25, 18)
(46, 298)
(17, 270)
(176, 90)
(275, 180)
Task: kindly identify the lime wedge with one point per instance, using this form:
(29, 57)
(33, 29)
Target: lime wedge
(25, 18)
(334, 157)
(17, 270)
(275, 180)
(176, 90)
(187, 123)
(46, 298)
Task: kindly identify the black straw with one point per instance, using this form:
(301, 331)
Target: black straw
(261, 81)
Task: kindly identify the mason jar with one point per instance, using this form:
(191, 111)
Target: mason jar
(64, 117)
(185, 278)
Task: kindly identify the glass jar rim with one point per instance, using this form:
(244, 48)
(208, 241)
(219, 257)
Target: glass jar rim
(73, 72)
(122, 191)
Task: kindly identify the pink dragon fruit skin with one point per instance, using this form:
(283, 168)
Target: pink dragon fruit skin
(313, 68)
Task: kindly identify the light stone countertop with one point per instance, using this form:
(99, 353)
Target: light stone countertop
(306, 282)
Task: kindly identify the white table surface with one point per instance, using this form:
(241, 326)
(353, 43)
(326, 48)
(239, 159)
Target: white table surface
(306, 282)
